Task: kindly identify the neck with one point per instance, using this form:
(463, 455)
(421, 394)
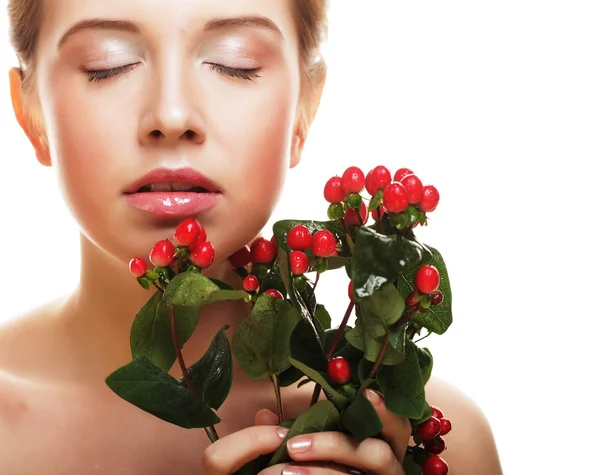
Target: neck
(96, 320)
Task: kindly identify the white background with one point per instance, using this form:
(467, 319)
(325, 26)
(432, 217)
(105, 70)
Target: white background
(498, 105)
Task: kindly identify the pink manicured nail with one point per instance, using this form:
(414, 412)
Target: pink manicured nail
(375, 398)
(289, 470)
(299, 445)
(282, 432)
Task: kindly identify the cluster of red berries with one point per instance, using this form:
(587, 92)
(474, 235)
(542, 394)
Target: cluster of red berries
(426, 294)
(430, 433)
(262, 253)
(391, 196)
(192, 248)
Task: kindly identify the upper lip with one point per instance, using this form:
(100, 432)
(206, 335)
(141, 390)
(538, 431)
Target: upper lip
(168, 175)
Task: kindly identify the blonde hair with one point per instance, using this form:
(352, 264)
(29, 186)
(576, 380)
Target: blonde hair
(25, 18)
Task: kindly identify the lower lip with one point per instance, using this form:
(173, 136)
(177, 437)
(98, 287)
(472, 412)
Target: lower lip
(176, 204)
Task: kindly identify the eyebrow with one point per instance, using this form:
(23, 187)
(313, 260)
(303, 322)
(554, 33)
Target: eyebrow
(128, 26)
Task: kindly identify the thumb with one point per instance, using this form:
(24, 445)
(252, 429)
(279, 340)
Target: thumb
(264, 417)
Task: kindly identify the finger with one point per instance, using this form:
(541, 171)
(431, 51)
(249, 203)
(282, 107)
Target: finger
(309, 469)
(232, 452)
(396, 430)
(371, 455)
(264, 417)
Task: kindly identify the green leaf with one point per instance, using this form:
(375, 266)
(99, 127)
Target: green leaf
(402, 386)
(425, 362)
(439, 317)
(320, 377)
(150, 335)
(305, 347)
(156, 392)
(321, 417)
(212, 375)
(261, 342)
(371, 346)
(222, 285)
(300, 305)
(192, 289)
(361, 418)
(381, 310)
(378, 259)
(323, 316)
(289, 377)
(398, 337)
(409, 465)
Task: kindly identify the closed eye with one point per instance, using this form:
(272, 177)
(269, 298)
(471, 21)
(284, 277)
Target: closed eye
(102, 74)
(247, 74)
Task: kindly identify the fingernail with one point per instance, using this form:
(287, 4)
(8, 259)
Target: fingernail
(299, 445)
(282, 432)
(289, 470)
(375, 398)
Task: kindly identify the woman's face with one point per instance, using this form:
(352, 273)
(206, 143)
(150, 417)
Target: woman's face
(169, 91)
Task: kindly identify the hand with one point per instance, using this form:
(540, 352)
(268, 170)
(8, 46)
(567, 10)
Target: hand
(328, 453)
(232, 452)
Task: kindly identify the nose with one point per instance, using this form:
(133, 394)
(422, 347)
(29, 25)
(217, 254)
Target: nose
(171, 116)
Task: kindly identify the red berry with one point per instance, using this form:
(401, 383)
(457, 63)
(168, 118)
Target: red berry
(414, 188)
(435, 446)
(299, 238)
(189, 231)
(323, 243)
(446, 426)
(251, 283)
(298, 262)
(402, 173)
(412, 300)
(333, 190)
(138, 266)
(162, 253)
(353, 181)
(434, 465)
(338, 370)
(351, 216)
(429, 429)
(203, 255)
(427, 279)
(274, 293)
(369, 184)
(241, 258)
(437, 412)
(430, 199)
(437, 297)
(263, 251)
(395, 198)
(351, 291)
(381, 177)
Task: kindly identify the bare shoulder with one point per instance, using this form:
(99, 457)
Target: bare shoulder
(471, 445)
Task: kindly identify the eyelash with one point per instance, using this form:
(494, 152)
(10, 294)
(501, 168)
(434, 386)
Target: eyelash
(95, 75)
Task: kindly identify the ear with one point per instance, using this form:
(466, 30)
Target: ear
(24, 115)
(306, 116)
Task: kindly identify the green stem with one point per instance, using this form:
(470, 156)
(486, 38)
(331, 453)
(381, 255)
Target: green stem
(422, 338)
(275, 382)
(211, 432)
(340, 330)
(380, 356)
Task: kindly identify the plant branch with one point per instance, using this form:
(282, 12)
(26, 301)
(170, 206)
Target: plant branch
(275, 382)
(422, 338)
(380, 356)
(340, 331)
(211, 432)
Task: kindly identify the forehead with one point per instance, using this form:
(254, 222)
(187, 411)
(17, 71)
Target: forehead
(164, 17)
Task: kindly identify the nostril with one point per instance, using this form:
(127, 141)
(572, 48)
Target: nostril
(156, 133)
(190, 134)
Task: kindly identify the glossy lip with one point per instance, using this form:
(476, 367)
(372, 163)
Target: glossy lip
(174, 204)
(166, 175)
